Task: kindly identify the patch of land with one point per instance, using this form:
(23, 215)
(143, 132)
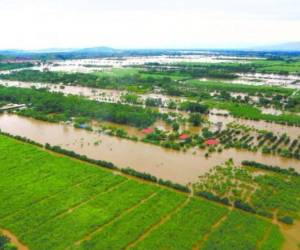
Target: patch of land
(55, 202)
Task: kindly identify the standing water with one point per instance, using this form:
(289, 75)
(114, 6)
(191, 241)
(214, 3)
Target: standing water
(181, 167)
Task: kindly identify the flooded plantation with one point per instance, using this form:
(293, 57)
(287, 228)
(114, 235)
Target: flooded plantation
(181, 167)
(114, 96)
(291, 131)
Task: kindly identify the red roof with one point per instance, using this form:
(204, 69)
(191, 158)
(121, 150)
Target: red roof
(148, 130)
(183, 137)
(212, 142)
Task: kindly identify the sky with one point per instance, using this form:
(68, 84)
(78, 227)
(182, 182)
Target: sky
(40, 24)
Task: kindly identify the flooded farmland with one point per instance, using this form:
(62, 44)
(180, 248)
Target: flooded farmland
(291, 131)
(181, 167)
(114, 96)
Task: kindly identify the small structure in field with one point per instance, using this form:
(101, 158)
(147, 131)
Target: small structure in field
(12, 106)
(212, 142)
(184, 137)
(148, 131)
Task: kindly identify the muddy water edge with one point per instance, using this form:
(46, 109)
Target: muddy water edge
(180, 167)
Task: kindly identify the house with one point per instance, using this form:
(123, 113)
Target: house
(184, 137)
(212, 142)
(148, 131)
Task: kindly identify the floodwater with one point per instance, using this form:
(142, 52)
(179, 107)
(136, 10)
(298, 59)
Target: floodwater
(180, 167)
(291, 81)
(271, 111)
(103, 95)
(292, 131)
(114, 96)
(77, 64)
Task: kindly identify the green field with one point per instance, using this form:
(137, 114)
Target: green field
(56, 202)
(266, 192)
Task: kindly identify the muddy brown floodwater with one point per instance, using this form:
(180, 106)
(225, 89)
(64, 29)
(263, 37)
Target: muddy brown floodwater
(113, 96)
(181, 167)
(292, 131)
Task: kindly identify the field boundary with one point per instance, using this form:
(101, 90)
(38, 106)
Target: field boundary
(162, 221)
(123, 213)
(46, 198)
(14, 240)
(68, 211)
(215, 226)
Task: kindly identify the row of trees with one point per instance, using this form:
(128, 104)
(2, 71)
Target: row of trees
(45, 104)
(289, 171)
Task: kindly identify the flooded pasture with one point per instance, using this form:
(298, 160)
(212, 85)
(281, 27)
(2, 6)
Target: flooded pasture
(181, 167)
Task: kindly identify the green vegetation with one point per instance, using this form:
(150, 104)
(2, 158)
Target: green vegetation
(57, 107)
(195, 219)
(272, 65)
(237, 232)
(265, 191)
(192, 72)
(10, 66)
(274, 239)
(253, 113)
(245, 137)
(133, 224)
(5, 243)
(55, 202)
(283, 67)
(210, 86)
(122, 79)
(277, 169)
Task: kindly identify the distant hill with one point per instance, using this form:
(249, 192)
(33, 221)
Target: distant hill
(63, 53)
(12, 52)
(289, 49)
(61, 50)
(97, 50)
(292, 46)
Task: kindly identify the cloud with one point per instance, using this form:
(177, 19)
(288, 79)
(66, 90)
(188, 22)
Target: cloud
(40, 24)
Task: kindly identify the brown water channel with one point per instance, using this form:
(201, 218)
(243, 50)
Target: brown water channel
(104, 95)
(181, 167)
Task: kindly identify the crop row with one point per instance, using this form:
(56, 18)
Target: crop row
(55, 202)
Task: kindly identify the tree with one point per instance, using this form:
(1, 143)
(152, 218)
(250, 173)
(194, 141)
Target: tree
(175, 126)
(196, 119)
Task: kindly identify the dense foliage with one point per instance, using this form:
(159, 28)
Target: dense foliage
(266, 191)
(5, 243)
(10, 66)
(55, 107)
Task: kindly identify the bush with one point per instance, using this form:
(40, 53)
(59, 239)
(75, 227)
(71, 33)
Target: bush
(211, 196)
(277, 169)
(244, 206)
(10, 246)
(5, 244)
(144, 176)
(287, 220)
(3, 241)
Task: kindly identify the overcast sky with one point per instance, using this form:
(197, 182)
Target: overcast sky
(37, 24)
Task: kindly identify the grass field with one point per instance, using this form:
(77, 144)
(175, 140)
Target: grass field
(56, 202)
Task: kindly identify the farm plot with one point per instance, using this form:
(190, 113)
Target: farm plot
(55, 202)
(239, 231)
(271, 193)
(194, 221)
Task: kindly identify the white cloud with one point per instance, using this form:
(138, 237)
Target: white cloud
(36, 24)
